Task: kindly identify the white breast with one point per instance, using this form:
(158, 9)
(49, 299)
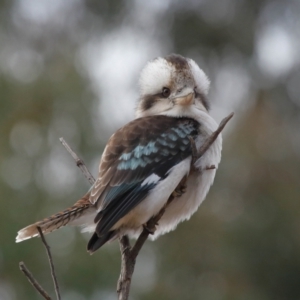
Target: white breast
(198, 183)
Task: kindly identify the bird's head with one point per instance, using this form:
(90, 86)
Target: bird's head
(172, 86)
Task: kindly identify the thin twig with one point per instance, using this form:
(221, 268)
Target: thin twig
(33, 281)
(79, 162)
(209, 141)
(56, 287)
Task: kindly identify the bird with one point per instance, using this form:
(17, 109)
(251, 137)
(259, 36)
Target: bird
(145, 161)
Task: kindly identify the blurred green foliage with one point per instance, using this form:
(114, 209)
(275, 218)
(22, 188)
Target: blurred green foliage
(243, 243)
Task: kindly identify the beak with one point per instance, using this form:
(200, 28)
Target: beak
(185, 100)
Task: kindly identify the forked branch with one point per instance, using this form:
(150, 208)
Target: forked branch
(128, 253)
(33, 281)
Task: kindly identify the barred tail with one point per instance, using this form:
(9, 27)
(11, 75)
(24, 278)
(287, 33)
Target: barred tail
(71, 216)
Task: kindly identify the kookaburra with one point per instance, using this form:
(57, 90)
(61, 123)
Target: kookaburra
(144, 161)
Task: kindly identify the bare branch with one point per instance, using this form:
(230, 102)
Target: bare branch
(79, 162)
(56, 287)
(127, 268)
(194, 151)
(150, 228)
(33, 281)
(129, 254)
(209, 141)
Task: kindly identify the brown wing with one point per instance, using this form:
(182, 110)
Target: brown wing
(136, 149)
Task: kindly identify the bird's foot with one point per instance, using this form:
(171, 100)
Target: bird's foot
(179, 191)
(148, 229)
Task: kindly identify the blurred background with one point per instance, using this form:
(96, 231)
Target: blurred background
(70, 68)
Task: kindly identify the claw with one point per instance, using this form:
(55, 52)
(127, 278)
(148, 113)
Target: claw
(149, 230)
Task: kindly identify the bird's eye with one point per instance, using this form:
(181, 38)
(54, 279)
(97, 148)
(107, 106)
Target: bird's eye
(166, 92)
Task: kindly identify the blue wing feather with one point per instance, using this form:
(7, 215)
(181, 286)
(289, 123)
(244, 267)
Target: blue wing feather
(124, 200)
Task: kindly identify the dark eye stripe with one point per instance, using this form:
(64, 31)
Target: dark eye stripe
(148, 101)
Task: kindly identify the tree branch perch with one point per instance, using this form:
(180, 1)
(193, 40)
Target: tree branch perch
(128, 253)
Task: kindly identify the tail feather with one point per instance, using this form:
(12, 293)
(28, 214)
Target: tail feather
(96, 241)
(68, 216)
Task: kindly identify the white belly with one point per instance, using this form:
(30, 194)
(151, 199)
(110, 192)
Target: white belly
(181, 208)
(156, 199)
(198, 185)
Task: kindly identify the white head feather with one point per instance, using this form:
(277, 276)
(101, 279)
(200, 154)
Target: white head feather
(202, 81)
(176, 73)
(156, 74)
